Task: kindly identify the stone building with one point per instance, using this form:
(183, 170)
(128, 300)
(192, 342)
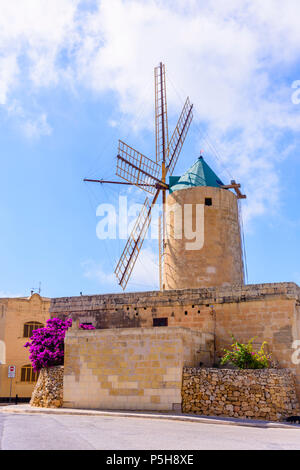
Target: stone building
(18, 318)
(268, 312)
(204, 292)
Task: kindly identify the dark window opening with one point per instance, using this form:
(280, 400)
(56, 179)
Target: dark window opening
(185, 313)
(208, 201)
(30, 326)
(28, 374)
(160, 322)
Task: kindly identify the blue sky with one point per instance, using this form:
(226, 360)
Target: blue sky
(75, 76)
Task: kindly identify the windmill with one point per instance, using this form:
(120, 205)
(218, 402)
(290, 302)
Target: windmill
(149, 175)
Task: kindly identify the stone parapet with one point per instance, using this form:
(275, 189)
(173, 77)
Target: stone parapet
(217, 295)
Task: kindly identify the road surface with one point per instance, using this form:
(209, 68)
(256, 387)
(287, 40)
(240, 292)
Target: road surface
(67, 432)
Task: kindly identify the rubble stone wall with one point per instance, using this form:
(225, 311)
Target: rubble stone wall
(48, 392)
(267, 394)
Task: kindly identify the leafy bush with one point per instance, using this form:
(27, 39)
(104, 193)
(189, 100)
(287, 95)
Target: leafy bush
(243, 356)
(47, 344)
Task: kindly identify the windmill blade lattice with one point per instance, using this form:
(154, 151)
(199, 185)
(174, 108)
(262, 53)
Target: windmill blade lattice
(161, 115)
(134, 244)
(136, 168)
(179, 135)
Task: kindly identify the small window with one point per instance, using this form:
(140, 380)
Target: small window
(30, 326)
(160, 322)
(28, 374)
(208, 201)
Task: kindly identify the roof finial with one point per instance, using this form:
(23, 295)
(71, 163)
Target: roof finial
(201, 152)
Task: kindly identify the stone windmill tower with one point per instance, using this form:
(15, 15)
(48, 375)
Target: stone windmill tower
(199, 196)
(203, 244)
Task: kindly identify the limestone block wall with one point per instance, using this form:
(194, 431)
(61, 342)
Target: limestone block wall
(134, 369)
(48, 392)
(269, 312)
(267, 394)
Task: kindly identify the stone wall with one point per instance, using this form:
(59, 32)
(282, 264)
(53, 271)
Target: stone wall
(14, 312)
(48, 392)
(187, 307)
(267, 394)
(269, 312)
(133, 369)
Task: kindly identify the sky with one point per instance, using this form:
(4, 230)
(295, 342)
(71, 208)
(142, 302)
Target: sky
(76, 76)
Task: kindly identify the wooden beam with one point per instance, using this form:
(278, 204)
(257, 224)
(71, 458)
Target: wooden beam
(236, 187)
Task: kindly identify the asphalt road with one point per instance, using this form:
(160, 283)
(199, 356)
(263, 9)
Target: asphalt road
(67, 432)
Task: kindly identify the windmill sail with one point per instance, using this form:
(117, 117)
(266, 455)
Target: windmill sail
(139, 170)
(143, 172)
(161, 115)
(133, 246)
(179, 135)
(136, 168)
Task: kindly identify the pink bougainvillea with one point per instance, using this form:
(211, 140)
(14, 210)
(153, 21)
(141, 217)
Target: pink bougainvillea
(47, 344)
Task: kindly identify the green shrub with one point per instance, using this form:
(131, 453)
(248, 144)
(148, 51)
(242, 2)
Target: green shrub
(243, 357)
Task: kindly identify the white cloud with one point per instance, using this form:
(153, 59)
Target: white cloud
(6, 295)
(32, 124)
(146, 273)
(144, 276)
(36, 127)
(230, 57)
(96, 272)
(32, 36)
(8, 73)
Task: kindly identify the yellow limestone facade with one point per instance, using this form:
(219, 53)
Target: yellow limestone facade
(132, 368)
(212, 257)
(15, 313)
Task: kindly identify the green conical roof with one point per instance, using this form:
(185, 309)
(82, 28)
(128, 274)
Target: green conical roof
(200, 174)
